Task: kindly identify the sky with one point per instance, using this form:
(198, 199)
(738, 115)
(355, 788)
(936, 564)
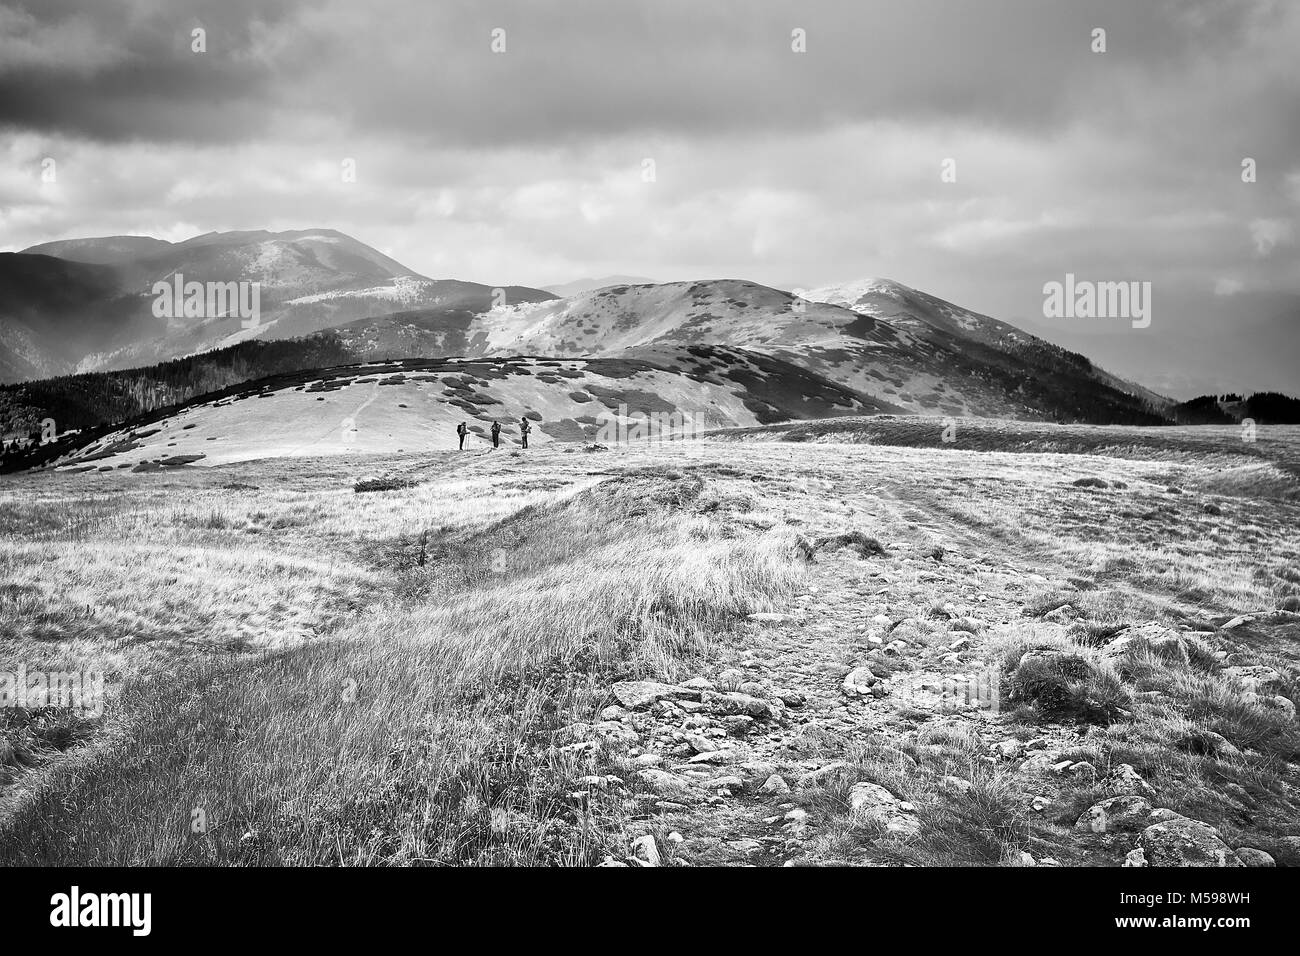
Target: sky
(974, 149)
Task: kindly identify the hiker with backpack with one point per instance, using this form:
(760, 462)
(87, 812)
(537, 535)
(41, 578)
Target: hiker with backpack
(524, 429)
(462, 430)
(496, 434)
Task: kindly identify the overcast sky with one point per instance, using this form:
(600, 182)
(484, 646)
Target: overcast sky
(789, 168)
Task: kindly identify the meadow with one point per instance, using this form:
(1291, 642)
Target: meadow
(306, 673)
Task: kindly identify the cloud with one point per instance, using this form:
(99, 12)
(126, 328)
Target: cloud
(1268, 233)
(786, 168)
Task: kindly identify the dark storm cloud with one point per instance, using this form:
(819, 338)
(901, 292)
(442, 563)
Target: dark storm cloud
(123, 69)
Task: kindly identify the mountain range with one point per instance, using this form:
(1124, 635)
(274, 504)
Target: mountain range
(103, 288)
(80, 340)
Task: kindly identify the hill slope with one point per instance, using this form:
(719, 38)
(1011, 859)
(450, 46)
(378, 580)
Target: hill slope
(924, 355)
(416, 404)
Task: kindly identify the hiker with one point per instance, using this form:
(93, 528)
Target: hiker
(462, 431)
(496, 434)
(524, 429)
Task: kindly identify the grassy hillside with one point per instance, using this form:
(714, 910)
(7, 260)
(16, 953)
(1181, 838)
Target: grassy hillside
(394, 406)
(875, 655)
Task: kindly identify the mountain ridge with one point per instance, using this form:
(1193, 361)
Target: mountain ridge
(903, 348)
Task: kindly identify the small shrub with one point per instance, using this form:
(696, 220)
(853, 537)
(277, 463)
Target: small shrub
(865, 546)
(1060, 685)
(384, 483)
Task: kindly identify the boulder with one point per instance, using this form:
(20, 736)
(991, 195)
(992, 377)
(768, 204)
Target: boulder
(1124, 779)
(1252, 677)
(1287, 851)
(1206, 743)
(1274, 702)
(1176, 840)
(1163, 642)
(1252, 857)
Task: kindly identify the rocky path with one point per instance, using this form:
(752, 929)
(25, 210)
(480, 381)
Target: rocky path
(876, 644)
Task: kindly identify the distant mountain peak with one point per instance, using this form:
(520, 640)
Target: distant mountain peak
(578, 286)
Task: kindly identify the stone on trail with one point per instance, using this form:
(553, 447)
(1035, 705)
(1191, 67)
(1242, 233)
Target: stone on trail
(711, 757)
(1126, 780)
(859, 681)
(1116, 813)
(700, 683)
(821, 775)
(663, 781)
(775, 784)
(873, 803)
(736, 704)
(615, 733)
(701, 745)
(639, 694)
(737, 725)
(956, 784)
(1008, 749)
(645, 851)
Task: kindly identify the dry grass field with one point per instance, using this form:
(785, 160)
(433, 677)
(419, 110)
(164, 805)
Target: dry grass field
(444, 672)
